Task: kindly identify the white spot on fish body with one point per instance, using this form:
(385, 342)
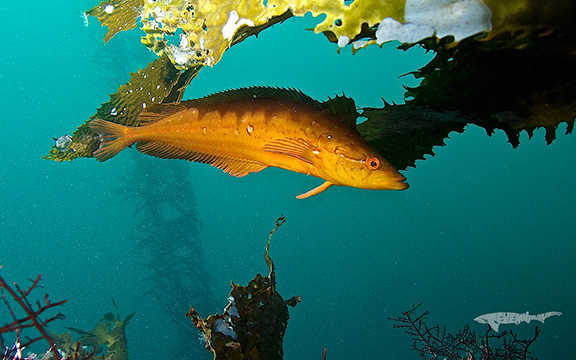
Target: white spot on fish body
(109, 9)
(113, 112)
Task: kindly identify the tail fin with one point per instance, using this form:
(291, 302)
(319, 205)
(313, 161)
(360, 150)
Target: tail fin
(112, 138)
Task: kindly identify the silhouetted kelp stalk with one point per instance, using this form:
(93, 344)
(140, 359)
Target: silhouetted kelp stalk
(435, 343)
(32, 319)
(167, 242)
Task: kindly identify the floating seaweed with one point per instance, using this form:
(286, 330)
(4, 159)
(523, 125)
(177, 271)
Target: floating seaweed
(254, 321)
(498, 66)
(512, 82)
(435, 343)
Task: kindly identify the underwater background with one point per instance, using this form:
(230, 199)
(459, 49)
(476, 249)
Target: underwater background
(483, 227)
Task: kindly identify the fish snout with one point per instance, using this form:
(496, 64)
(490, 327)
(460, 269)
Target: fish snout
(399, 183)
(402, 185)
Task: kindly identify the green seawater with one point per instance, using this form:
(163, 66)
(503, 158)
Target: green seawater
(483, 227)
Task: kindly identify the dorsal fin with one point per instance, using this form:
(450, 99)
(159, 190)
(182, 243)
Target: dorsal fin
(157, 112)
(250, 93)
(343, 108)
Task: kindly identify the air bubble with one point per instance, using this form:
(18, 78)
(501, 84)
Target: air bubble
(143, 105)
(113, 112)
(249, 129)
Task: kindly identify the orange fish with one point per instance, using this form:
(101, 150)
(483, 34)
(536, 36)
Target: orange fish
(247, 130)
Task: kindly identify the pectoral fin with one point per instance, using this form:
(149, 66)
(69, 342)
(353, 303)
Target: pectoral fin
(296, 147)
(315, 191)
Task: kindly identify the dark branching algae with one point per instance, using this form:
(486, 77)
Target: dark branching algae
(253, 323)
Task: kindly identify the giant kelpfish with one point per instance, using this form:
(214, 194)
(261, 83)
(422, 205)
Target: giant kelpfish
(249, 129)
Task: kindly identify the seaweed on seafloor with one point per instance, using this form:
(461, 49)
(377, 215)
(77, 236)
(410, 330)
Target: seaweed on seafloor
(104, 342)
(15, 297)
(435, 343)
(254, 321)
(108, 336)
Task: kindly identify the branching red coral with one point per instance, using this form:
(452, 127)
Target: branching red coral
(33, 313)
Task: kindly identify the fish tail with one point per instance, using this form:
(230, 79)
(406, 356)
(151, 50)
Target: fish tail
(112, 138)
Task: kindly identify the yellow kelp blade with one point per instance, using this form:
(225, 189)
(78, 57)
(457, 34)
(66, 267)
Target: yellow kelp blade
(118, 15)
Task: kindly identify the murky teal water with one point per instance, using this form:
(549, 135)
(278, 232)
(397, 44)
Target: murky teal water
(483, 228)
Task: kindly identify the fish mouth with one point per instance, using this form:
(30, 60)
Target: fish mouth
(401, 186)
(400, 183)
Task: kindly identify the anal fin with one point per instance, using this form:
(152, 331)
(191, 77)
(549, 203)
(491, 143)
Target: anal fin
(234, 167)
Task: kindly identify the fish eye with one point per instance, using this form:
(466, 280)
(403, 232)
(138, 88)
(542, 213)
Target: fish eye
(373, 163)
